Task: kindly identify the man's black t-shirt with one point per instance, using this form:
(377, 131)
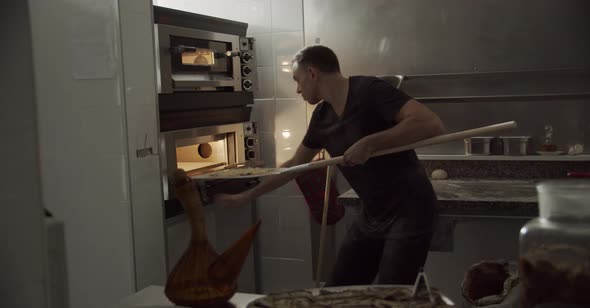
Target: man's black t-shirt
(397, 196)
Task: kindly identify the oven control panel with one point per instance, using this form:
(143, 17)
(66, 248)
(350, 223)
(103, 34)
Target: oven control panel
(251, 142)
(248, 64)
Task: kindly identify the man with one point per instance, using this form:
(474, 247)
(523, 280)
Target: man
(355, 117)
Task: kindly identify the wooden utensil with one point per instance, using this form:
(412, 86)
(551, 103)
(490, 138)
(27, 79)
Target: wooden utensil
(323, 227)
(426, 142)
(338, 160)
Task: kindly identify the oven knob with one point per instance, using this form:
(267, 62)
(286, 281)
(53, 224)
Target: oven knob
(250, 154)
(250, 142)
(246, 70)
(247, 84)
(246, 57)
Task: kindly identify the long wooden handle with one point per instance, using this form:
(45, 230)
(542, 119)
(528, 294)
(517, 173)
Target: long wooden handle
(323, 228)
(426, 142)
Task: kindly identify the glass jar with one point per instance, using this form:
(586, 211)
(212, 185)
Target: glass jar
(554, 261)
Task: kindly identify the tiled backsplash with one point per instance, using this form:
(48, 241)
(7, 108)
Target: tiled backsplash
(287, 15)
(266, 83)
(285, 45)
(263, 49)
(263, 113)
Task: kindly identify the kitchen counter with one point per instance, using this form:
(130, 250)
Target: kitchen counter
(154, 297)
(476, 197)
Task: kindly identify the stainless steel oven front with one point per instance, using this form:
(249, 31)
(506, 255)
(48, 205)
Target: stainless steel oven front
(205, 149)
(197, 60)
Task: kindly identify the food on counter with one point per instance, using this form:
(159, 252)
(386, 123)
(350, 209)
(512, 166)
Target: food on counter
(489, 282)
(576, 149)
(394, 297)
(546, 281)
(439, 174)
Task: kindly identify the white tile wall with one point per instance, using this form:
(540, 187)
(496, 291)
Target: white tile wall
(263, 48)
(286, 144)
(263, 113)
(269, 234)
(287, 15)
(290, 127)
(290, 115)
(294, 222)
(257, 13)
(285, 47)
(267, 148)
(266, 83)
(285, 274)
(285, 229)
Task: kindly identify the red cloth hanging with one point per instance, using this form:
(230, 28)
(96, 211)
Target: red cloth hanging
(312, 184)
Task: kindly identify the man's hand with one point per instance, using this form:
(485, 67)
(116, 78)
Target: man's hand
(358, 153)
(229, 200)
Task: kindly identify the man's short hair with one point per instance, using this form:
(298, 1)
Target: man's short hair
(320, 57)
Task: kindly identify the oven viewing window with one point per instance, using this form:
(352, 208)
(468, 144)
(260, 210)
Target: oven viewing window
(199, 57)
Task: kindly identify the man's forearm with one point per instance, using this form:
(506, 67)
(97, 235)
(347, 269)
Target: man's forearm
(406, 132)
(270, 183)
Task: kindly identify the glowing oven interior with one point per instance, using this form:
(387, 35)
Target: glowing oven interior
(200, 57)
(202, 157)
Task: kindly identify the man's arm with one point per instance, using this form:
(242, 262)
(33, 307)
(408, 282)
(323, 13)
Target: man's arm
(302, 155)
(269, 183)
(415, 122)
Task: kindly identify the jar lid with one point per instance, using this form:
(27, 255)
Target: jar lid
(479, 138)
(564, 198)
(566, 185)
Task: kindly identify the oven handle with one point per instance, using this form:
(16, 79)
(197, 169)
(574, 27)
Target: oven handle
(179, 49)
